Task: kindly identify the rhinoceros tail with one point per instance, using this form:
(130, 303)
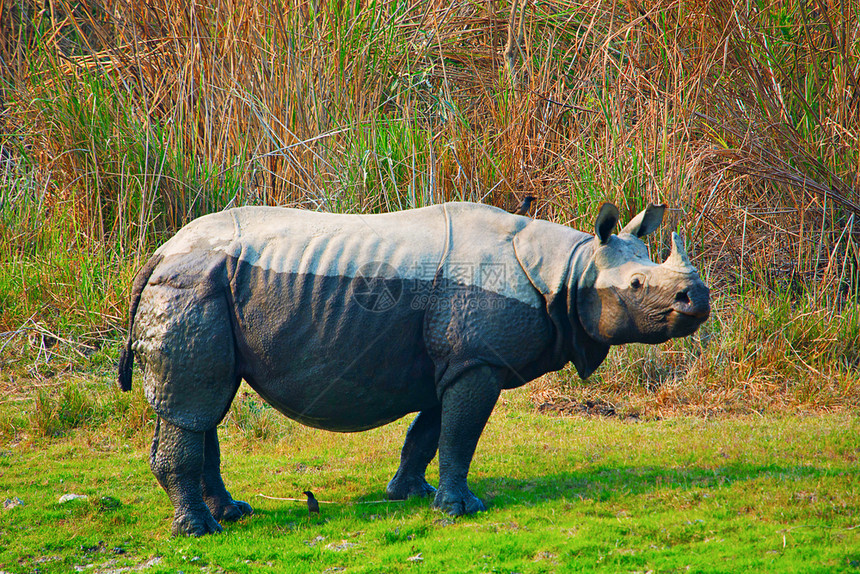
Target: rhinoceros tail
(126, 356)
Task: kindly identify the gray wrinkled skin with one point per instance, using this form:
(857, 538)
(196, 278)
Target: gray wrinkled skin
(348, 322)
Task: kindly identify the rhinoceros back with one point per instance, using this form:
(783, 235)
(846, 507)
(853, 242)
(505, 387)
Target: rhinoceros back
(328, 332)
(334, 309)
(345, 322)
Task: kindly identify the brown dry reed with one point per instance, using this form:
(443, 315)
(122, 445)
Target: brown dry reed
(124, 120)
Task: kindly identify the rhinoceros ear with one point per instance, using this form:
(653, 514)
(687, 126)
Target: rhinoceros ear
(606, 221)
(647, 221)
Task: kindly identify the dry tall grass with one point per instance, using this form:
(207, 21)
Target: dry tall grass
(125, 120)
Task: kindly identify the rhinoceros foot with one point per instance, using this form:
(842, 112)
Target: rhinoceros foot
(232, 511)
(403, 487)
(457, 502)
(197, 522)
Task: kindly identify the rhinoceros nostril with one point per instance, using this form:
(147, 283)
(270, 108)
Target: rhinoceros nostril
(682, 297)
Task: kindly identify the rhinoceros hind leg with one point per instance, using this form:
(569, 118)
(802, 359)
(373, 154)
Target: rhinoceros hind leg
(466, 406)
(422, 441)
(177, 462)
(215, 494)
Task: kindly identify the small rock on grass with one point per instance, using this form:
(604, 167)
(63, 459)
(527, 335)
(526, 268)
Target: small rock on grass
(69, 497)
(11, 503)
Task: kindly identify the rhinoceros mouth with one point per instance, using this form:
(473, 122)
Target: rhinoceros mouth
(694, 313)
(684, 322)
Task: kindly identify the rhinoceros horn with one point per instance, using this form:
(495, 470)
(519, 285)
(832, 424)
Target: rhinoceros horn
(677, 260)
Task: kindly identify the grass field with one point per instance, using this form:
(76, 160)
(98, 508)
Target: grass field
(566, 494)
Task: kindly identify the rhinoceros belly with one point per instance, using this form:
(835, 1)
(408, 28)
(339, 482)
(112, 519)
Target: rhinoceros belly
(335, 352)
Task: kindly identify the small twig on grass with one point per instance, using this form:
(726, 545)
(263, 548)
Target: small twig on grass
(329, 501)
(43, 332)
(15, 400)
(10, 334)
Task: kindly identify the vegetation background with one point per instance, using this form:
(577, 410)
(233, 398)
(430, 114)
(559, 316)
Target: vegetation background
(122, 121)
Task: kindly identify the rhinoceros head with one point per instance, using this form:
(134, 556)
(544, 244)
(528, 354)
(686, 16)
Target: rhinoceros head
(624, 297)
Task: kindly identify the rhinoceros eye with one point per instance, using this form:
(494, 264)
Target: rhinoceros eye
(636, 283)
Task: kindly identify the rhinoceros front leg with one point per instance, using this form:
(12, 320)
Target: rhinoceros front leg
(177, 462)
(422, 440)
(215, 494)
(466, 406)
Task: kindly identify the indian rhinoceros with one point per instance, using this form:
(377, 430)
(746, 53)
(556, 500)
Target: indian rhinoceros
(348, 322)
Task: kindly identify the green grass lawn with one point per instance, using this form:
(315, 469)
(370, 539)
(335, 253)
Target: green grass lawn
(564, 495)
